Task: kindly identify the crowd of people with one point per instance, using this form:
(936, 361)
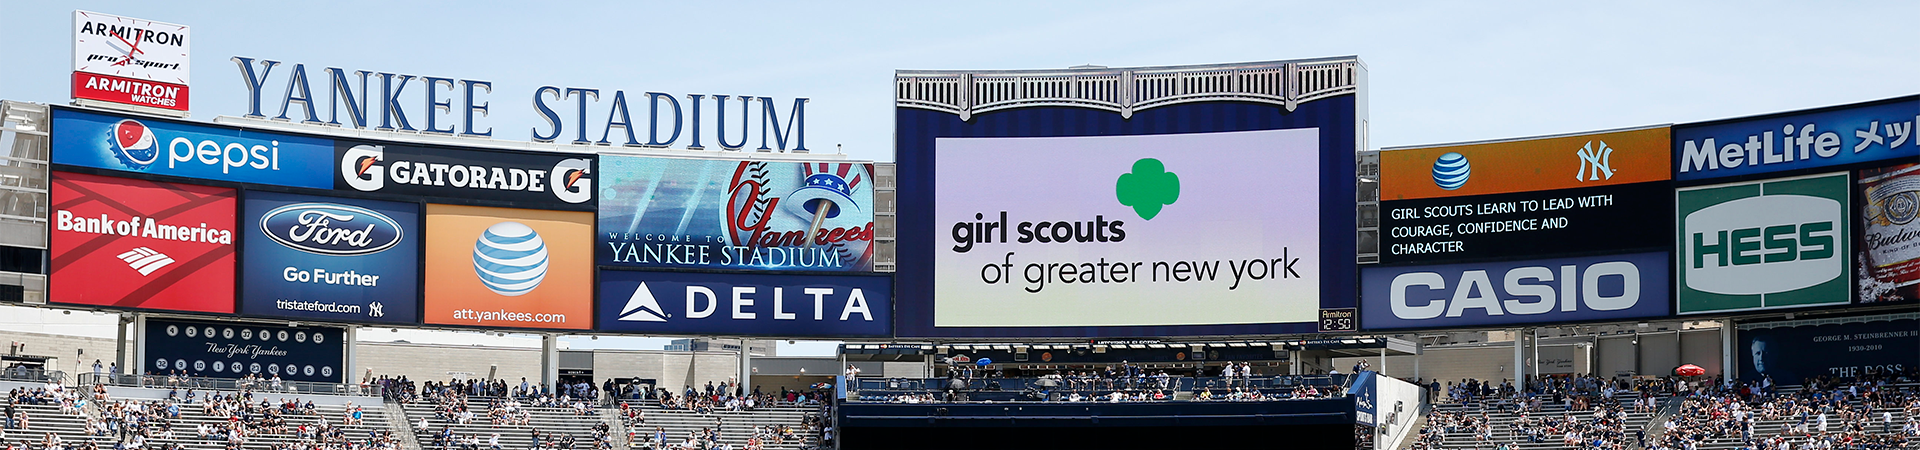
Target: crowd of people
(460, 404)
(1825, 414)
(230, 420)
(1861, 413)
(1592, 416)
(1115, 384)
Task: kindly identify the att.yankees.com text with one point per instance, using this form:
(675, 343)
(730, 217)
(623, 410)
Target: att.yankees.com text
(508, 316)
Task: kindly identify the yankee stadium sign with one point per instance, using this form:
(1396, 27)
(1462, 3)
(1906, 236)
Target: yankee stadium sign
(576, 115)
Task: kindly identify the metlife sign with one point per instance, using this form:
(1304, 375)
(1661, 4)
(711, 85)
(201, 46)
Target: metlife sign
(1515, 292)
(554, 181)
(745, 304)
(1764, 244)
(182, 149)
(1825, 137)
(326, 258)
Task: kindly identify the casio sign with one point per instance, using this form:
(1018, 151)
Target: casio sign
(1527, 290)
(1763, 244)
(331, 229)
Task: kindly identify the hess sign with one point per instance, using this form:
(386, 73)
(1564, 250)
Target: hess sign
(130, 61)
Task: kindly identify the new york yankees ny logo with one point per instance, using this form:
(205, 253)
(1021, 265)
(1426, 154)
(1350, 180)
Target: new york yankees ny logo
(1594, 162)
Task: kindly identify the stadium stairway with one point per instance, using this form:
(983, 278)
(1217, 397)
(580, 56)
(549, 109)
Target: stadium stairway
(1502, 420)
(617, 428)
(401, 425)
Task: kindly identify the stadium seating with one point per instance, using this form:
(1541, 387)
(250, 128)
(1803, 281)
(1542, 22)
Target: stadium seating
(734, 427)
(72, 427)
(1501, 422)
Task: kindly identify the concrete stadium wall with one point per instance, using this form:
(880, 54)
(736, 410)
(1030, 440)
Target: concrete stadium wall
(424, 362)
(66, 350)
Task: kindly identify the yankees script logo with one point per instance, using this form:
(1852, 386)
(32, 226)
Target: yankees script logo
(766, 210)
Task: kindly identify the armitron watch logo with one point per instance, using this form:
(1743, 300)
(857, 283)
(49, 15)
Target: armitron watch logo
(1451, 171)
(510, 259)
(133, 144)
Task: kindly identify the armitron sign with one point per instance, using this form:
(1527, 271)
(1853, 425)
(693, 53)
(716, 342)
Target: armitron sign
(131, 61)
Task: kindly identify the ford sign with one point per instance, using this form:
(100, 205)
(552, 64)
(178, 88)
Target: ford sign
(331, 229)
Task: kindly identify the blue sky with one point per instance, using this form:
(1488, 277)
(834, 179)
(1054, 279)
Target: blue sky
(1439, 71)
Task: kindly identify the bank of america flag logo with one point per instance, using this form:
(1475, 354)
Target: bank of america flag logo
(145, 260)
(642, 307)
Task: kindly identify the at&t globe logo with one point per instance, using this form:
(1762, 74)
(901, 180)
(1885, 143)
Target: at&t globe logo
(133, 144)
(1451, 171)
(510, 258)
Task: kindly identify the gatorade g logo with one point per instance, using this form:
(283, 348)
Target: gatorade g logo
(1764, 244)
(570, 182)
(360, 166)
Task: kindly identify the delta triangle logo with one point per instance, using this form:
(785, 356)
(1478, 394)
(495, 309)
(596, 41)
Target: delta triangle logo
(642, 307)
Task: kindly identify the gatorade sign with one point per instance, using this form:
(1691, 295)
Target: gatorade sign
(1764, 244)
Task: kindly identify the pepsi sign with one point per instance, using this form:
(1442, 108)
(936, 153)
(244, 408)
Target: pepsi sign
(324, 258)
(744, 304)
(165, 147)
(1515, 292)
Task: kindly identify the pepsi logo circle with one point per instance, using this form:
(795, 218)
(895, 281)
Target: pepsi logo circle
(510, 258)
(133, 144)
(1451, 171)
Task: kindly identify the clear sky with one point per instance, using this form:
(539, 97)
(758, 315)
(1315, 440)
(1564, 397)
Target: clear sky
(1439, 71)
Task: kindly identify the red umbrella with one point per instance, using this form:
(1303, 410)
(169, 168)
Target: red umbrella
(1689, 370)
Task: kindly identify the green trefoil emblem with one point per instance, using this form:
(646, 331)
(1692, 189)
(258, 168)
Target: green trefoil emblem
(1148, 188)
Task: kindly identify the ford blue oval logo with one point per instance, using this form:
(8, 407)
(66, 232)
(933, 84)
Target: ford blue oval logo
(331, 229)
